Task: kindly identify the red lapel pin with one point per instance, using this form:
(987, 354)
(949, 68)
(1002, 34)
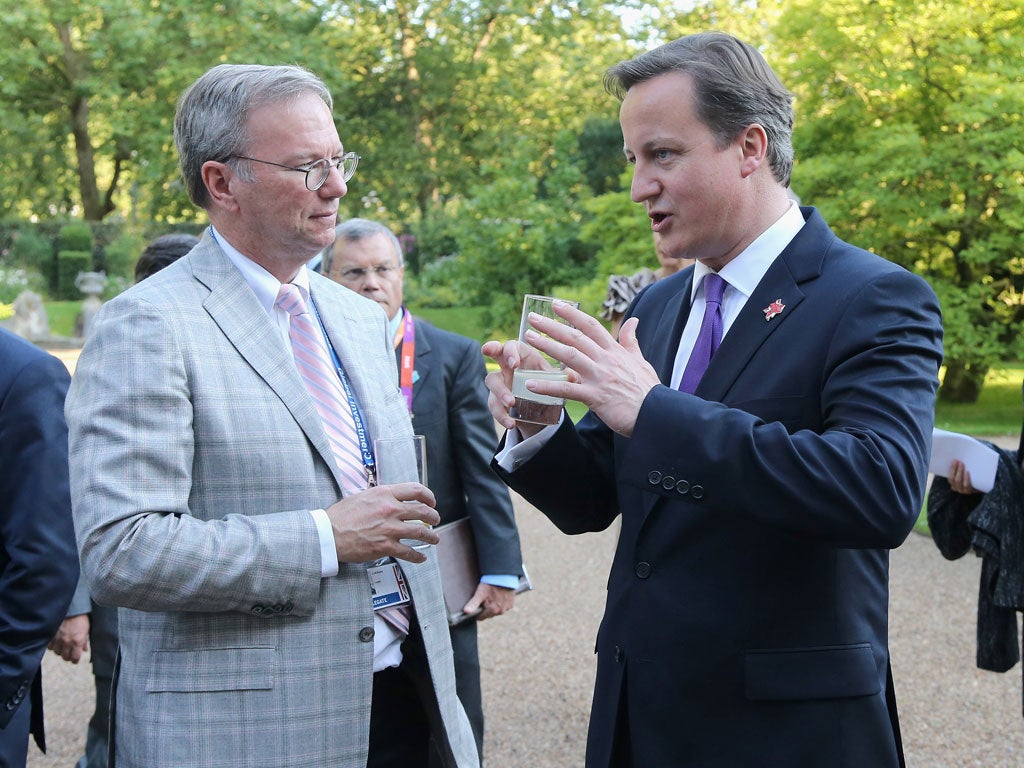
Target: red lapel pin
(773, 309)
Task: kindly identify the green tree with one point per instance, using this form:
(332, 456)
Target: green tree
(88, 91)
(909, 118)
(431, 90)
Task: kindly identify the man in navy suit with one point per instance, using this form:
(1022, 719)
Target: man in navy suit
(746, 619)
(442, 379)
(38, 558)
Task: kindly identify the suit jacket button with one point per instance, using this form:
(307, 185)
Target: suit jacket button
(256, 610)
(697, 491)
(366, 634)
(654, 477)
(619, 655)
(682, 487)
(643, 570)
(668, 482)
(287, 607)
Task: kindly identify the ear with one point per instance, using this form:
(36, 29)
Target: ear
(753, 144)
(218, 178)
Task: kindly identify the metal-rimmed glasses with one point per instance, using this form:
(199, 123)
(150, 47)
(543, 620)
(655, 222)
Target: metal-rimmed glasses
(317, 171)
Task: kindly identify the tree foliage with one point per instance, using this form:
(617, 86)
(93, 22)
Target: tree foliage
(909, 118)
(486, 134)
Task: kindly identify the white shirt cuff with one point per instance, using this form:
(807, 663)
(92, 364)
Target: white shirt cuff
(328, 553)
(517, 449)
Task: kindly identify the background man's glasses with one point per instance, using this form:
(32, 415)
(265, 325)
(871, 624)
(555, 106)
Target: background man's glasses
(317, 171)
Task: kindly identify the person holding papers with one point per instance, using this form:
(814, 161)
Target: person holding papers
(961, 518)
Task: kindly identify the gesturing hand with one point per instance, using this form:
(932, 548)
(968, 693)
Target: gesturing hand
(610, 377)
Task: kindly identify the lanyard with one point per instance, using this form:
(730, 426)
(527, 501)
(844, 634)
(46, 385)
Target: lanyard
(406, 334)
(357, 417)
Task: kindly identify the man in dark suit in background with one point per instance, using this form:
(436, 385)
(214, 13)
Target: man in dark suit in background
(442, 378)
(746, 619)
(38, 557)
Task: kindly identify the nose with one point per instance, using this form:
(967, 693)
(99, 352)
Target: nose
(643, 186)
(371, 282)
(335, 185)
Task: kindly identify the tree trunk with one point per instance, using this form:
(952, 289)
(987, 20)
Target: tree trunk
(962, 382)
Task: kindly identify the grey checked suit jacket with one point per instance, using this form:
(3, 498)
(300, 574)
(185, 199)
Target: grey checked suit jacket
(196, 454)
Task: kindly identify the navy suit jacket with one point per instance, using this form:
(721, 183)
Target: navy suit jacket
(449, 407)
(38, 556)
(748, 598)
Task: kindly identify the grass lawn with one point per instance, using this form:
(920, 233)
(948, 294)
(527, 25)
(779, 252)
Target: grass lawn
(62, 315)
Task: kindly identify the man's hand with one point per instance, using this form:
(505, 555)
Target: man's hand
(610, 377)
(960, 479)
(489, 600)
(509, 356)
(72, 638)
(368, 524)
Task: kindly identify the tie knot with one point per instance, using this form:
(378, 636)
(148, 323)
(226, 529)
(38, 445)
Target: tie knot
(714, 288)
(289, 298)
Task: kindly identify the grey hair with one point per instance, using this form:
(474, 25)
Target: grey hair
(211, 120)
(353, 230)
(734, 87)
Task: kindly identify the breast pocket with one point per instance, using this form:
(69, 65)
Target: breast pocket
(212, 669)
(794, 674)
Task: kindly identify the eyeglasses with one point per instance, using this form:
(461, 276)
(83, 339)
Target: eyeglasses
(357, 275)
(318, 171)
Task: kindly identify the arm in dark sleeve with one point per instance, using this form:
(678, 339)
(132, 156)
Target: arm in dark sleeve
(39, 561)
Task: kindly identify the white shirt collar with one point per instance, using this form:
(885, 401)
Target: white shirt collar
(745, 271)
(263, 284)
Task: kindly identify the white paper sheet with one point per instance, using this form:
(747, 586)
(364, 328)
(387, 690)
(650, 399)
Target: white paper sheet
(978, 458)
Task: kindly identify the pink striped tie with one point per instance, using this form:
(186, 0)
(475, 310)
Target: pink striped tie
(324, 385)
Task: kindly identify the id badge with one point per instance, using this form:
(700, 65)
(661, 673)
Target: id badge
(387, 585)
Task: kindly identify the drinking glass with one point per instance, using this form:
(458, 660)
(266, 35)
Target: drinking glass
(530, 406)
(402, 460)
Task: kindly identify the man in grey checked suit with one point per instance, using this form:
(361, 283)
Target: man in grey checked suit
(208, 502)
(442, 379)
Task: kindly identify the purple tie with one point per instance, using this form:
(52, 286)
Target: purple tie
(710, 334)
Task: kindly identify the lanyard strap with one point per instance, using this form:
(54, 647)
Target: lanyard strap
(406, 335)
(357, 416)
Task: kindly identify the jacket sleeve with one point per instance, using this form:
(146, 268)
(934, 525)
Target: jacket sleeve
(39, 563)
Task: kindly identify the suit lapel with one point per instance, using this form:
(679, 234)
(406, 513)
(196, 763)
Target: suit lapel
(761, 316)
(242, 319)
(751, 329)
(364, 351)
(662, 341)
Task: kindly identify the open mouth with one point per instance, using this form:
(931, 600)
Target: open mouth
(658, 220)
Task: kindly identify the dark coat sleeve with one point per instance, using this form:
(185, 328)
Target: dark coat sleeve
(38, 555)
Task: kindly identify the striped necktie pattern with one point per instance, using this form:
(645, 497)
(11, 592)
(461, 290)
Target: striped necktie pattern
(324, 385)
(323, 382)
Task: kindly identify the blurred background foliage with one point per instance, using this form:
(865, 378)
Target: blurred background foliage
(489, 143)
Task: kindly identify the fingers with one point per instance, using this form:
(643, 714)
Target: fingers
(489, 601)
(371, 524)
(960, 479)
